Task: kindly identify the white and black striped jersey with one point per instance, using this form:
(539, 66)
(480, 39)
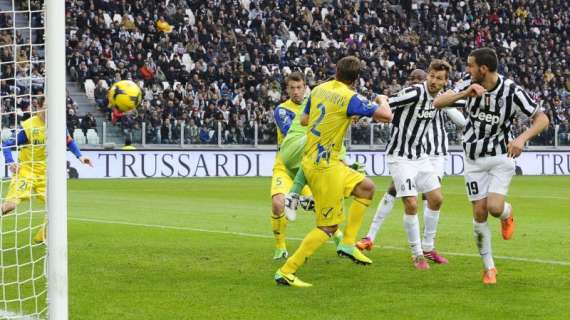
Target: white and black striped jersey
(489, 117)
(436, 140)
(413, 111)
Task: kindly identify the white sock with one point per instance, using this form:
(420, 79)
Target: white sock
(482, 236)
(506, 211)
(412, 226)
(431, 218)
(425, 206)
(384, 208)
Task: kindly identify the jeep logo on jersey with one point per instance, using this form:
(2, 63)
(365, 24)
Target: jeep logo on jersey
(485, 117)
(426, 114)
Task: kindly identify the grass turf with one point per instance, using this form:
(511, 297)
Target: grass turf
(202, 248)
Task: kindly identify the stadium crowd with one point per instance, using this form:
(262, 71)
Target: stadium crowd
(222, 62)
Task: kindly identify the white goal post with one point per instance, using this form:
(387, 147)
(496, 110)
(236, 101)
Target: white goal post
(56, 150)
(33, 269)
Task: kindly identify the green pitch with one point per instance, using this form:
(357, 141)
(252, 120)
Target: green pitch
(202, 248)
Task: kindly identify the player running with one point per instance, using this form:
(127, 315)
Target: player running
(328, 114)
(29, 174)
(493, 102)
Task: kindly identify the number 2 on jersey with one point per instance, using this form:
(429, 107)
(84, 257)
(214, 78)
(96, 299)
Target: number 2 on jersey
(314, 130)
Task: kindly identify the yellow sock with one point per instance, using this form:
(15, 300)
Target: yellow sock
(313, 240)
(279, 225)
(355, 215)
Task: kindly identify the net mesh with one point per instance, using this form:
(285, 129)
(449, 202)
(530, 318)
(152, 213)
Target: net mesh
(23, 290)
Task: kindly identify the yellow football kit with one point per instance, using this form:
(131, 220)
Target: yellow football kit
(330, 108)
(31, 175)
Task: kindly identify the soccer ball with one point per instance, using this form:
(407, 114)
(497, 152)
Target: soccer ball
(125, 95)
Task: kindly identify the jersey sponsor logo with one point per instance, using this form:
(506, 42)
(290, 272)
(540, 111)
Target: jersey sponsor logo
(485, 117)
(426, 114)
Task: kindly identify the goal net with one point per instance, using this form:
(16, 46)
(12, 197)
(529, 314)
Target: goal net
(23, 244)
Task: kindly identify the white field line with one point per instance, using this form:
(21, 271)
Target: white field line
(254, 235)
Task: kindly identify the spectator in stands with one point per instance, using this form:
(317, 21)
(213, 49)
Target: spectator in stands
(230, 51)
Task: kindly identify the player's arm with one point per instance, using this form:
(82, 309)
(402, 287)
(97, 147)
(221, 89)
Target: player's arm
(299, 182)
(456, 117)
(379, 110)
(451, 97)
(283, 119)
(540, 121)
(74, 148)
(7, 147)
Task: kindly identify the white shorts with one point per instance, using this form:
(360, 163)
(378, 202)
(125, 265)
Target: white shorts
(438, 164)
(412, 176)
(488, 174)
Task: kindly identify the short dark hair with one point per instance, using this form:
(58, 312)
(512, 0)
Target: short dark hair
(348, 69)
(485, 57)
(295, 76)
(417, 75)
(440, 65)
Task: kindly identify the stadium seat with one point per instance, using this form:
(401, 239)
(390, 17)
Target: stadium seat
(92, 137)
(78, 136)
(89, 89)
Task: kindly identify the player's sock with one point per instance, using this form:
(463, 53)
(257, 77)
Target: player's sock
(482, 236)
(355, 215)
(299, 182)
(384, 208)
(313, 240)
(425, 203)
(431, 219)
(279, 225)
(506, 211)
(412, 226)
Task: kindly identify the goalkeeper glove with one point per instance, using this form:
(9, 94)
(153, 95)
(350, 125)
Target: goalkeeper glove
(291, 205)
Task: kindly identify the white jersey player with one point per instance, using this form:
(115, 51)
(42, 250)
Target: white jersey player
(492, 103)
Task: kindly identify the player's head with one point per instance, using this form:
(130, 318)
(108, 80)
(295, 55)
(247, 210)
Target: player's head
(295, 86)
(481, 63)
(348, 70)
(437, 75)
(417, 76)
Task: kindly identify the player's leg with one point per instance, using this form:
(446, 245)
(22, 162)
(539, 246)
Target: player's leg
(431, 220)
(428, 182)
(482, 235)
(312, 241)
(501, 174)
(362, 190)
(384, 208)
(328, 215)
(40, 188)
(404, 174)
(280, 184)
(477, 179)
(20, 189)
